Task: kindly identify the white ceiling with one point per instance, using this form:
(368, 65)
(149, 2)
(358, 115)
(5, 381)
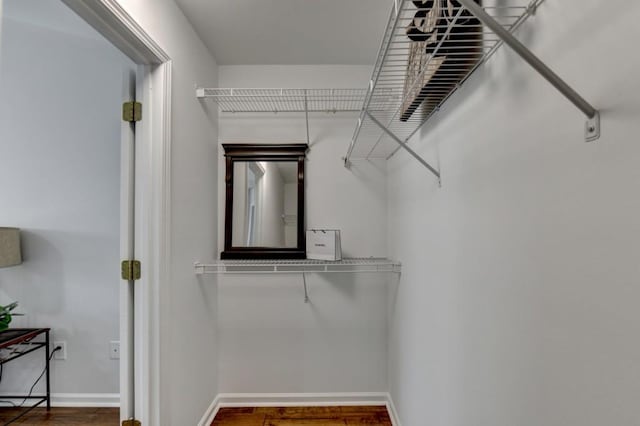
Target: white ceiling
(286, 32)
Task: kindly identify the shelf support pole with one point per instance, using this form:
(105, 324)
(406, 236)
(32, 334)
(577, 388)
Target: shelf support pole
(304, 283)
(306, 114)
(404, 145)
(592, 130)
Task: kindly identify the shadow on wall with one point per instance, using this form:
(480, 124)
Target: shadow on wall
(208, 285)
(55, 264)
(343, 284)
(35, 284)
(210, 110)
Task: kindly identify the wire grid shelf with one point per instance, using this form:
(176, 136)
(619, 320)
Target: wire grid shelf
(403, 105)
(286, 100)
(347, 265)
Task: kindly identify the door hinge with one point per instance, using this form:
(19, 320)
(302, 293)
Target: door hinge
(130, 270)
(131, 111)
(131, 422)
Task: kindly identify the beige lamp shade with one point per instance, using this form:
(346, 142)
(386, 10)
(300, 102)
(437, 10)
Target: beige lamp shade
(10, 254)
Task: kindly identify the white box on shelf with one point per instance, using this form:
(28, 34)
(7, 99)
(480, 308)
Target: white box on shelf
(324, 244)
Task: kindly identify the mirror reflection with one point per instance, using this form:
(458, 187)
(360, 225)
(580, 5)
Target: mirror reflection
(265, 203)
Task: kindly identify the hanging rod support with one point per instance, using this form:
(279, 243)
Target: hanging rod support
(593, 125)
(306, 114)
(404, 145)
(304, 283)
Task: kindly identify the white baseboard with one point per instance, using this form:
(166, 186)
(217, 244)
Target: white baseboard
(393, 413)
(76, 399)
(85, 399)
(293, 400)
(211, 412)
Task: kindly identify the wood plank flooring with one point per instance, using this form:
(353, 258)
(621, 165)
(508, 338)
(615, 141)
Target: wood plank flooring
(59, 416)
(302, 416)
(277, 416)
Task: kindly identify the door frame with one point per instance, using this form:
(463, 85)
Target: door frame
(153, 196)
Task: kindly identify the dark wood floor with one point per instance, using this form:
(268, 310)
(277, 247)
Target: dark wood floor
(303, 416)
(63, 416)
(278, 416)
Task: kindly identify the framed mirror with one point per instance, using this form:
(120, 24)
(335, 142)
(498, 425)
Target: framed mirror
(264, 201)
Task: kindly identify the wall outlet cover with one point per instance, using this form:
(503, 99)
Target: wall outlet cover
(114, 349)
(62, 353)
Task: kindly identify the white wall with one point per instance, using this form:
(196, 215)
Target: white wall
(188, 380)
(269, 340)
(60, 96)
(518, 299)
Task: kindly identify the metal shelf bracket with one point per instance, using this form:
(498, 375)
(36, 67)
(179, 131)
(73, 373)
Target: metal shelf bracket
(593, 123)
(405, 146)
(592, 128)
(402, 105)
(347, 163)
(306, 293)
(306, 114)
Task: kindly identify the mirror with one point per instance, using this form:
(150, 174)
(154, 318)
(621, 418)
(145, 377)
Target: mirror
(265, 203)
(264, 209)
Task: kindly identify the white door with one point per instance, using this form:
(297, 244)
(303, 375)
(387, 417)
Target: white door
(141, 292)
(144, 226)
(127, 252)
(134, 295)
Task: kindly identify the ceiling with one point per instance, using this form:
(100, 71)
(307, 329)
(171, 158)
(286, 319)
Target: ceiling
(290, 32)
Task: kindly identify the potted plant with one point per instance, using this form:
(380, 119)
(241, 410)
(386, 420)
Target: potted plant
(6, 316)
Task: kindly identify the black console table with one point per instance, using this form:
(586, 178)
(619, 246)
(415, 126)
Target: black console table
(17, 342)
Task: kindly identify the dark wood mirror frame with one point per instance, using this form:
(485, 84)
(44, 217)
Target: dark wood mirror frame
(255, 152)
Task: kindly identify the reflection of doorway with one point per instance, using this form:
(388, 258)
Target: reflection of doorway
(289, 173)
(255, 172)
(251, 207)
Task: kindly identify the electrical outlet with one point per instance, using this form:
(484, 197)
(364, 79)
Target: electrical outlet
(62, 353)
(114, 349)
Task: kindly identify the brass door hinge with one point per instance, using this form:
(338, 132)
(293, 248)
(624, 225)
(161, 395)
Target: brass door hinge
(131, 111)
(131, 422)
(130, 270)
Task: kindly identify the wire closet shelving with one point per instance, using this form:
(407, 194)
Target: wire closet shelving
(285, 100)
(300, 267)
(347, 265)
(415, 74)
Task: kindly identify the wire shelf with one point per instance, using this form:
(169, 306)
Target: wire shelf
(412, 78)
(285, 100)
(347, 265)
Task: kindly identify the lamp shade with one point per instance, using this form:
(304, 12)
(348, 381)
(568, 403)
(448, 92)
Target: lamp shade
(10, 253)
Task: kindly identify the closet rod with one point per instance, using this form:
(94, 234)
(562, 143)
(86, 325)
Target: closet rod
(593, 125)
